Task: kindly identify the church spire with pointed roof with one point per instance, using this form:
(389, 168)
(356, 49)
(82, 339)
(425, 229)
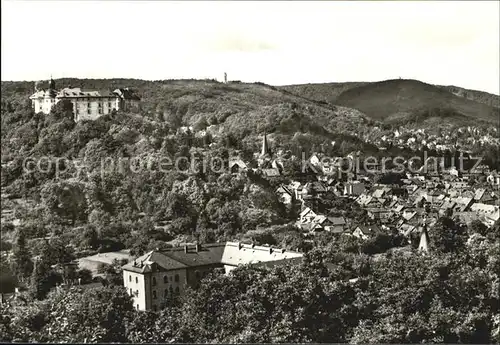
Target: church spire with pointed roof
(265, 146)
(424, 238)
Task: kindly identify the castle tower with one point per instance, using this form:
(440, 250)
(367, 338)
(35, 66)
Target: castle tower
(52, 88)
(52, 84)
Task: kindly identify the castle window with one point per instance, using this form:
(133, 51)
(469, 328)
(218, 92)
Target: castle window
(136, 280)
(197, 274)
(131, 293)
(138, 307)
(165, 279)
(130, 278)
(177, 290)
(165, 293)
(154, 294)
(137, 293)
(171, 290)
(154, 281)
(176, 278)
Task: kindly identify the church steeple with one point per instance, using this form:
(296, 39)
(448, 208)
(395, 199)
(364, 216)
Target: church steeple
(424, 238)
(265, 146)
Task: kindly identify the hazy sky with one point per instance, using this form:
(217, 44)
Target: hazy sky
(274, 42)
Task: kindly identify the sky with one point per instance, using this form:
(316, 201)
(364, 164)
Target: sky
(278, 43)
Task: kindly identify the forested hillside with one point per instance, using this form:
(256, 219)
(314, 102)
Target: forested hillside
(119, 208)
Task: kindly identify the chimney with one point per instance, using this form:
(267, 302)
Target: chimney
(185, 248)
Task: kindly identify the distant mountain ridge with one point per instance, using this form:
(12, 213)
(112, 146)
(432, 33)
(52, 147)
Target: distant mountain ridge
(328, 92)
(405, 99)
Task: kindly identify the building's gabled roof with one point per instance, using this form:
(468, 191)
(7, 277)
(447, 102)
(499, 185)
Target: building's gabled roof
(238, 162)
(271, 172)
(38, 94)
(368, 229)
(478, 194)
(284, 189)
(337, 220)
(306, 211)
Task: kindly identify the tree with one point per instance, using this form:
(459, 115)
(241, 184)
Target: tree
(85, 316)
(66, 200)
(447, 236)
(43, 279)
(476, 226)
(22, 265)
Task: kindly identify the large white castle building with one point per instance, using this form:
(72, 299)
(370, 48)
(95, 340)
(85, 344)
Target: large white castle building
(87, 105)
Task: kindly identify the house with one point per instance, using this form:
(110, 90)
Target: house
(490, 214)
(271, 173)
(285, 194)
(364, 199)
(159, 275)
(381, 192)
(406, 229)
(409, 215)
(313, 188)
(237, 166)
(127, 99)
(462, 203)
(335, 224)
(366, 231)
(307, 215)
(381, 214)
(493, 179)
(466, 217)
(354, 188)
